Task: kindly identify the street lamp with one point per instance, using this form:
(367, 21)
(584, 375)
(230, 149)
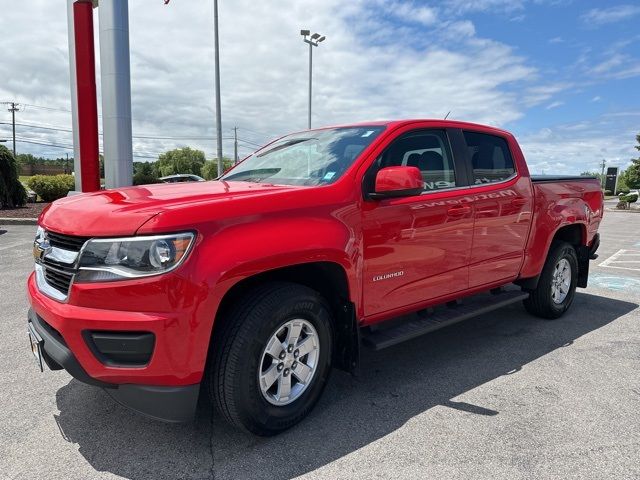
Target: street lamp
(217, 75)
(313, 41)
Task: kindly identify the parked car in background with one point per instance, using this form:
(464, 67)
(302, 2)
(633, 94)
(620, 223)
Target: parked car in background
(252, 288)
(181, 178)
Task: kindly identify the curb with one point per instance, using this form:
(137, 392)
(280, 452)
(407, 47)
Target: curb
(616, 210)
(18, 221)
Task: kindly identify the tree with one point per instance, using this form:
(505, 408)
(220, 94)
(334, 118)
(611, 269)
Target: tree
(181, 160)
(210, 168)
(632, 174)
(12, 192)
(144, 173)
(622, 182)
(592, 174)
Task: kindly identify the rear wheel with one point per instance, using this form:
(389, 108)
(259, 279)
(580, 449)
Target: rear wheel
(272, 358)
(557, 284)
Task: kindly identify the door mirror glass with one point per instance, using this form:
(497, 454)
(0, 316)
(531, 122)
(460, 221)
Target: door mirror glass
(398, 181)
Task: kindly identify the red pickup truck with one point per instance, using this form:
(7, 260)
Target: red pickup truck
(249, 289)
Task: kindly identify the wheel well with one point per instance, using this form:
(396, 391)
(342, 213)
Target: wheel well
(573, 234)
(327, 278)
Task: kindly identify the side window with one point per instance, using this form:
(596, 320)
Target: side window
(490, 157)
(428, 151)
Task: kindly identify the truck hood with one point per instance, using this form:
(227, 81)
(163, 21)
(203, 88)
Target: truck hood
(122, 211)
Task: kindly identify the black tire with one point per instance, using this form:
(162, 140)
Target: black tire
(540, 301)
(237, 355)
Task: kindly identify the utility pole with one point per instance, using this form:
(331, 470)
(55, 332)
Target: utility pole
(235, 144)
(217, 66)
(13, 109)
(66, 165)
(313, 41)
(602, 178)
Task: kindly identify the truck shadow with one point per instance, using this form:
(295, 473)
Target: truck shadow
(393, 387)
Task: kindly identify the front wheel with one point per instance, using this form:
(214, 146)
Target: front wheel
(272, 358)
(557, 284)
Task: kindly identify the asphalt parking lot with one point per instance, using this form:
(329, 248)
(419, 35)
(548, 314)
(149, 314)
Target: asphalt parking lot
(503, 396)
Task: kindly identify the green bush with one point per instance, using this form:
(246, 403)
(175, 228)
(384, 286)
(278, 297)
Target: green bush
(51, 187)
(12, 192)
(629, 198)
(608, 193)
(144, 178)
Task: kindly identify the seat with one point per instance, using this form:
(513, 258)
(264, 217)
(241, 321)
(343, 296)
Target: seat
(431, 161)
(483, 158)
(414, 160)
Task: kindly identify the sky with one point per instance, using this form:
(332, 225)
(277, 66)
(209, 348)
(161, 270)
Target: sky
(562, 75)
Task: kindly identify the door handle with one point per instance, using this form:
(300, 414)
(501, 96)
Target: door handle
(519, 202)
(459, 210)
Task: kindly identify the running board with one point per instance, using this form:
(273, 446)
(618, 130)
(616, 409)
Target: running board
(426, 321)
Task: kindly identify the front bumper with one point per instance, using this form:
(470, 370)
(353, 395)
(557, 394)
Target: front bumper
(167, 403)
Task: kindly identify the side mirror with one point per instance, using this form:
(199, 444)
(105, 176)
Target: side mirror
(397, 182)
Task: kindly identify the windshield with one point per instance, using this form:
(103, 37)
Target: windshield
(317, 157)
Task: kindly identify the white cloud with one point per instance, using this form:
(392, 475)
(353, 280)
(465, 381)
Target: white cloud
(602, 16)
(616, 66)
(597, 98)
(538, 94)
(553, 105)
(412, 13)
(578, 147)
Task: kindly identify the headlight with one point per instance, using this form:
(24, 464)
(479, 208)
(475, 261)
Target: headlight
(105, 259)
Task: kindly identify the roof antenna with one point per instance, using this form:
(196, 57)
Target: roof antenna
(447, 115)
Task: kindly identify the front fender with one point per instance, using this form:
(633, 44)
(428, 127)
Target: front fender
(242, 250)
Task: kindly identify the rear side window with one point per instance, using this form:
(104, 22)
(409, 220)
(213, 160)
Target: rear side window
(490, 158)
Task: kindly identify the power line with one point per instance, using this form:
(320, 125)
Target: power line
(144, 137)
(70, 148)
(46, 108)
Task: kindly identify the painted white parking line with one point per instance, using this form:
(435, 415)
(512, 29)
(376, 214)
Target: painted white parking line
(623, 259)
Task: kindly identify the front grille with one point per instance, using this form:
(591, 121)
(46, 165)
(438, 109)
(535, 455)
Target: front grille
(59, 280)
(66, 242)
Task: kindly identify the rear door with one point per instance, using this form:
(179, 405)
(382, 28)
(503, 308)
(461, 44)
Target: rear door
(417, 248)
(503, 201)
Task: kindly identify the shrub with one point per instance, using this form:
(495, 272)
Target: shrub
(144, 178)
(608, 193)
(12, 192)
(51, 187)
(629, 197)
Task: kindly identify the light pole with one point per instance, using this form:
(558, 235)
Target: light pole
(217, 73)
(313, 40)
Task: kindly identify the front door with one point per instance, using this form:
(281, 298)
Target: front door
(417, 248)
